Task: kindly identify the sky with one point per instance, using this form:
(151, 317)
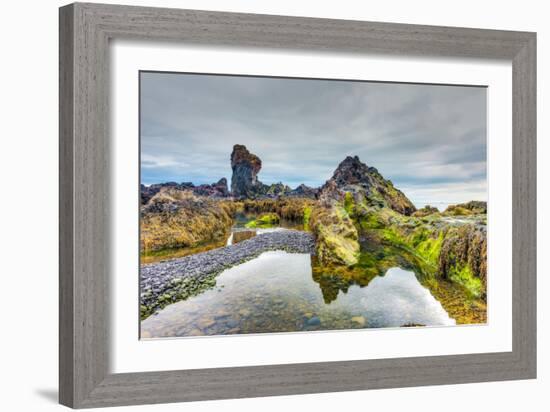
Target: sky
(429, 140)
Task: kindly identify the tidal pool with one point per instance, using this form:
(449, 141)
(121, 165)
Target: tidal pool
(276, 292)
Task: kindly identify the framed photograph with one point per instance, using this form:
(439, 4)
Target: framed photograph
(257, 205)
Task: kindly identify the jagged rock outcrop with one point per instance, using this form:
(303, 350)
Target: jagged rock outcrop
(304, 191)
(218, 189)
(426, 211)
(147, 192)
(277, 189)
(245, 166)
(472, 207)
(366, 184)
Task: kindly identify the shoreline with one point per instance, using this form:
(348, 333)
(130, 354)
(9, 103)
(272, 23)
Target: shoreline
(169, 281)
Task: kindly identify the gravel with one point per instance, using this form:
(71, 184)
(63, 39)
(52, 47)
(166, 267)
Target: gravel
(164, 278)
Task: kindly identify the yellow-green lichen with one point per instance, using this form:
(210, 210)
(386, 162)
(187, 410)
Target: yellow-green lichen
(464, 277)
(264, 221)
(307, 216)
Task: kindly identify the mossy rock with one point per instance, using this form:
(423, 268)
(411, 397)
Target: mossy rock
(336, 236)
(265, 220)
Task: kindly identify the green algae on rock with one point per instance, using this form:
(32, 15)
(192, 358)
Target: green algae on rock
(174, 219)
(336, 236)
(265, 220)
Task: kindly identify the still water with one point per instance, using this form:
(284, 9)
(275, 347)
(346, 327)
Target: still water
(276, 292)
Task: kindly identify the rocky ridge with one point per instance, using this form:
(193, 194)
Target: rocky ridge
(214, 190)
(365, 184)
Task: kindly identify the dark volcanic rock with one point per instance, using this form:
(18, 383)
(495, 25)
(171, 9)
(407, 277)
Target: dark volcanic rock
(304, 191)
(277, 189)
(218, 189)
(354, 176)
(147, 192)
(245, 166)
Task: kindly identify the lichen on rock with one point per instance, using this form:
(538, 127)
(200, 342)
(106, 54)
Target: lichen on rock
(265, 220)
(173, 219)
(336, 236)
(353, 176)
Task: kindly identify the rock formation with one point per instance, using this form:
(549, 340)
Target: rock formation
(304, 191)
(245, 166)
(277, 189)
(471, 208)
(218, 189)
(425, 211)
(365, 183)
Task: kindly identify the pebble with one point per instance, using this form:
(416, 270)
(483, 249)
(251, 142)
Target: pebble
(160, 278)
(314, 321)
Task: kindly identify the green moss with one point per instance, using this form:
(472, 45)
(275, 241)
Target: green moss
(307, 216)
(349, 204)
(264, 221)
(336, 236)
(408, 234)
(371, 221)
(430, 248)
(418, 237)
(335, 248)
(392, 236)
(457, 211)
(464, 277)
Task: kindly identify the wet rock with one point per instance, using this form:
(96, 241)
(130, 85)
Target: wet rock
(336, 237)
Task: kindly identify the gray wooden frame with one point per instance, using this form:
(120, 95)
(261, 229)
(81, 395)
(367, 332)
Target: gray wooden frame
(85, 31)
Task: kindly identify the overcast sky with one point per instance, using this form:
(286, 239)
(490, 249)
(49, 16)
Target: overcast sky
(429, 140)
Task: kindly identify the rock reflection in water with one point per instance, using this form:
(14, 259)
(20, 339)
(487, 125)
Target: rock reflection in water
(276, 293)
(237, 236)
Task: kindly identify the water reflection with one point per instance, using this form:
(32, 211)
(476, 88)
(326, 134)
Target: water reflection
(279, 292)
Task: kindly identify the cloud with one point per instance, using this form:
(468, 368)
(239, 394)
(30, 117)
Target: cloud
(422, 137)
(149, 161)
